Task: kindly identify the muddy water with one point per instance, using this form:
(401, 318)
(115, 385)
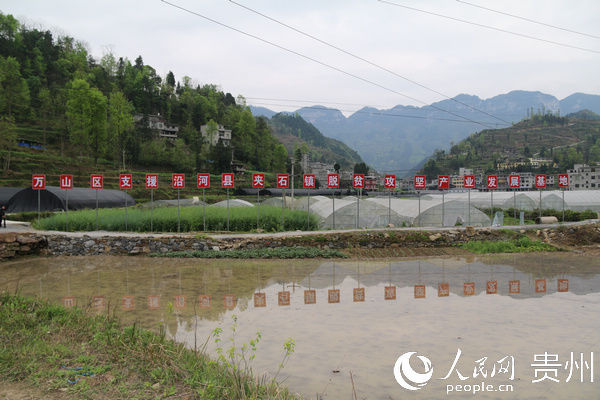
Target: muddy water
(348, 326)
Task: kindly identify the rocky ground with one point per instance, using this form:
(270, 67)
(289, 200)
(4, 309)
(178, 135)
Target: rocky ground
(581, 237)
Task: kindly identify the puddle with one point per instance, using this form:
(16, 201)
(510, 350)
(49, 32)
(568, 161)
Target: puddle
(357, 318)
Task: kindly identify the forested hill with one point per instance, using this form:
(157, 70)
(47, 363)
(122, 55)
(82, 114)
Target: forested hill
(294, 132)
(55, 94)
(563, 141)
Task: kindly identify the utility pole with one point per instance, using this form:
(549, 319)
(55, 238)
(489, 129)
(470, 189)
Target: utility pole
(292, 204)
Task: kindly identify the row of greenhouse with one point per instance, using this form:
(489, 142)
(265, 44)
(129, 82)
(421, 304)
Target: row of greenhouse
(449, 209)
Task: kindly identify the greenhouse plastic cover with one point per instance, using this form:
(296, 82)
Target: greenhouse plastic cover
(54, 198)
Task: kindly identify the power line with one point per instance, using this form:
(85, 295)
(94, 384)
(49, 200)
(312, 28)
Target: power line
(317, 61)
(377, 113)
(364, 60)
(529, 20)
(314, 102)
(490, 27)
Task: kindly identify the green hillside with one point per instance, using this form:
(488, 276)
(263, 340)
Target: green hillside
(564, 140)
(86, 115)
(294, 132)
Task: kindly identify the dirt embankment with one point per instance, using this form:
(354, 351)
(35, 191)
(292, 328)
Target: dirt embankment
(582, 238)
(405, 243)
(362, 244)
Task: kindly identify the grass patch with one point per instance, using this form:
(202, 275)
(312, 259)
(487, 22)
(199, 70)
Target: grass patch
(87, 356)
(276, 252)
(29, 216)
(241, 219)
(520, 245)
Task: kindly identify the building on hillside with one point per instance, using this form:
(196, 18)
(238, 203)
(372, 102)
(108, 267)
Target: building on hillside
(371, 182)
(511, 164)
(158, 124)
(220, 134)
(405, 183)
(583, 176)
(539, 162)
(457, 181)
(321, 170)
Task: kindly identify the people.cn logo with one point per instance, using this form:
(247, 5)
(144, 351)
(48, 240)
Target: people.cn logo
(407, 377)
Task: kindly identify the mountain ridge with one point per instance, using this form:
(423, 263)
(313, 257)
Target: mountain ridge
(399, 138)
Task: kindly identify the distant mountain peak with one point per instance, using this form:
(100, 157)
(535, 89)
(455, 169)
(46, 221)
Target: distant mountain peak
(401, 137)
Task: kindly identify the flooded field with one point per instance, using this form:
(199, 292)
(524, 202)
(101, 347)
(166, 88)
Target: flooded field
(504, 327)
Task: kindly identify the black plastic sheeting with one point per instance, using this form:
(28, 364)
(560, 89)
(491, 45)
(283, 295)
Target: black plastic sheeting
(6, 193)
(54, 199)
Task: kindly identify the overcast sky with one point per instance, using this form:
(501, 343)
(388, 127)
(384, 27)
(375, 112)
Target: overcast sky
(445, 55)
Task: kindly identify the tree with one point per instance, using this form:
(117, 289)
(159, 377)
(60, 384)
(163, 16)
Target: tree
(221, 157)
(212, 128)
(120, 114)
(337, 167)
(78, 113)
(594, 155)
(98, 137)
(171, 79)
(46, 109)
(431, 168)
(86, 115)
(361, 168)
(280, 156)
(8, 141)
(14, 91)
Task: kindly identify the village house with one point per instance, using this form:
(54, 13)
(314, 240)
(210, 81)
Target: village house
(220, 134)
(158, 124)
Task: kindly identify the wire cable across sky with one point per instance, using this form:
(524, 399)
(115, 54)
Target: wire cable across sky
(364, 60)
(350, 74)
(528, 19)
(464, 21)
(377, 113)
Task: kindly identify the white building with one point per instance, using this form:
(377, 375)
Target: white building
(158, 123)
(583, 176)
(222, 134)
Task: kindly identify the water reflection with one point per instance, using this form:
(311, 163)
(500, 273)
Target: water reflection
(216, 287)
(348, 316)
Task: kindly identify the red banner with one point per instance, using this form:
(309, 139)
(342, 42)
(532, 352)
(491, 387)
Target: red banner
(309, 181)
(563, 180)
(358, 181)
(258, 181)
(492, 182)
(420, 181)
(469, 181)
(66, 181)
(203, 181)
(178, 181)
(96, 181)
(227, 180)
(283, 181)
(514, 181)
(540, 181)
(389, 182)
(333, 181)
(38, 182)
(443, 182)
(125, 181)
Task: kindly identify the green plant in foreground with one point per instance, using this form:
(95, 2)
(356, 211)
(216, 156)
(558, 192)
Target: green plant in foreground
(275, 252)
(237, 360)
(92, 356)
(520, 245)
(241, 219)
